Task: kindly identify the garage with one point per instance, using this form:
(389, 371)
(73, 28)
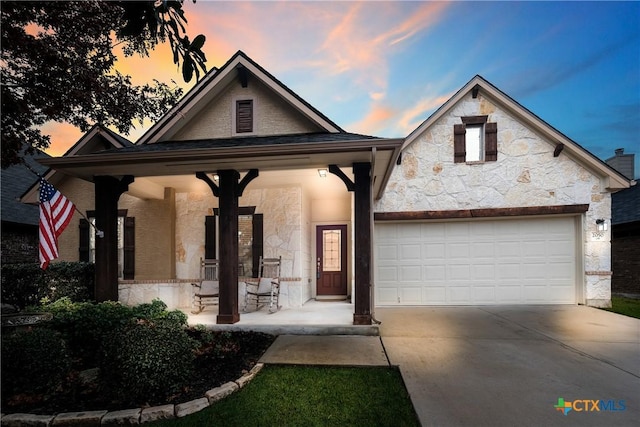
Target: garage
(480, 262)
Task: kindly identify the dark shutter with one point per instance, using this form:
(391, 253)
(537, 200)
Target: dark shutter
(257, 248)
(491, 142)
(244, 116)
(129, 267)
(210, 237)
(84, 240)
(459, 151)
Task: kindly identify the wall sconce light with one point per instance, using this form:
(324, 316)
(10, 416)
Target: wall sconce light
(216, 177)
(322, 173)
(602, 224)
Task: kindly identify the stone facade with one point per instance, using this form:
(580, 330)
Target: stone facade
(526, 174)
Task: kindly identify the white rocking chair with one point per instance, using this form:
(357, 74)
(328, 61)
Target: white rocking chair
(207, 291)
(266, 288)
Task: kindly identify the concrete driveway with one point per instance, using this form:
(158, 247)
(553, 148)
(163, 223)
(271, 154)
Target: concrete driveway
(508, 366)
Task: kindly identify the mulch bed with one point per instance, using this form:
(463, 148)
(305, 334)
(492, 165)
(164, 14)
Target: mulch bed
(229, 356)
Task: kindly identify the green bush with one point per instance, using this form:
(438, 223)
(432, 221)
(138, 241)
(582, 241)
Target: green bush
(84, 324)
(27, 284)
(33, 360)
(146, 362)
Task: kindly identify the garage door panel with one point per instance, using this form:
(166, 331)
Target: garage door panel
(507, 261)
(387, 252)
(411, 295)
(411, 273)
(411, 251)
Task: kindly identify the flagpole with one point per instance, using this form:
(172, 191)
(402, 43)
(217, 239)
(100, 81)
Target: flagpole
(99, 232)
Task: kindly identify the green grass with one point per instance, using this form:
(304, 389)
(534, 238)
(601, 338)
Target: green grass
(627, 306)
(312, 396)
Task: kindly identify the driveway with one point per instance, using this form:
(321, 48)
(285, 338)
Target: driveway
(508, 366)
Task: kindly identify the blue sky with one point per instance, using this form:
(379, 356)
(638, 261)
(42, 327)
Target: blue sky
(381, 68)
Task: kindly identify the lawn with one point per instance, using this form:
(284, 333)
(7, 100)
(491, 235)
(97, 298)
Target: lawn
(626, 306)
(312, 396)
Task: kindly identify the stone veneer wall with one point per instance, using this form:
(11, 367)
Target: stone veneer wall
(282, 209)
(525, 174)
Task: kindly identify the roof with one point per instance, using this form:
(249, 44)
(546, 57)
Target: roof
(16, 179)
(255, 141)
(625, 206)
(217, 80)
(614, 180)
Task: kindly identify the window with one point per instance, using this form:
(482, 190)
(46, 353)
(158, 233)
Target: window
(244, 116)
(126, 243)
(250, 235)
(475, 140)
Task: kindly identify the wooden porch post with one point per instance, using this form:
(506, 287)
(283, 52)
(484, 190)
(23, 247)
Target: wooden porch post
(362, 249)
(108, 190)
(228, 193)
(228, 200)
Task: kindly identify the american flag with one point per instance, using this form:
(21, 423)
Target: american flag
(55, 213)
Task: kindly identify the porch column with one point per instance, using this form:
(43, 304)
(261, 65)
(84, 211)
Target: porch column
(362, 249)
(108, 190)
(228, 200)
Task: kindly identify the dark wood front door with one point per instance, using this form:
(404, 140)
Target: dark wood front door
(331, 260)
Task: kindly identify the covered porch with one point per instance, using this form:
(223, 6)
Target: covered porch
(223, 175)
(313, 318)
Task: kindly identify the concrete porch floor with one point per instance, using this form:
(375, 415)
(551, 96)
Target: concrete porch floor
(313, 318)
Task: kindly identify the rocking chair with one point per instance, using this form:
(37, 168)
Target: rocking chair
(207, 290)
(266, 288)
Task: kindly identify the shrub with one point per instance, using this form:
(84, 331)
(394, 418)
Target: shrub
(84, 324)
(27, 284)
(157, 311)
(33, 361)
(146, 362)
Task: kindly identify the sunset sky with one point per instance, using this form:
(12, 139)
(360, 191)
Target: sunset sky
(381, 68)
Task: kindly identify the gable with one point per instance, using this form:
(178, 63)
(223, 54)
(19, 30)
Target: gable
(488, 97)
(240, 71)
(271, 115)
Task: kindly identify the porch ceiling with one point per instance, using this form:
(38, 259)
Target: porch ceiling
(162, 167)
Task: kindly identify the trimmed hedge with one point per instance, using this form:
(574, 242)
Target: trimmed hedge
(26, 285)
(146, 362)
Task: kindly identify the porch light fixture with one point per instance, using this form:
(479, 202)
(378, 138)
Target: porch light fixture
(322, 173)
(602, 224)
(216, 177)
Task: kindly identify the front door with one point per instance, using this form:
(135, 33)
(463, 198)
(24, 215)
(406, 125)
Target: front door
(331, 261)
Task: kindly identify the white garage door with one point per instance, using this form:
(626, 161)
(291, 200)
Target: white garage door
(507, 261)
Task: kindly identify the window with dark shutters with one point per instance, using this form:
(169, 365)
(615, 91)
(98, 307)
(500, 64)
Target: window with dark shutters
(244, 116)
(87, 252)
(129, 263)
(459, 152)
(490, 139)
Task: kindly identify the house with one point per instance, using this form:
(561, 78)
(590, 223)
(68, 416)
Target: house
(19, 220)
(484, 203)
(625, 229)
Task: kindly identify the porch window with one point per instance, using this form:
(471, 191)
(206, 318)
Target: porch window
(250, 237)
(475, 140)
(126, 243)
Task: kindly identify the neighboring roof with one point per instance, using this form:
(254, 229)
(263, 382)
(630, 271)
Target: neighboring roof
(217, 80)
(98, 138)
(625, 206)
(16, 179)
(614, 179)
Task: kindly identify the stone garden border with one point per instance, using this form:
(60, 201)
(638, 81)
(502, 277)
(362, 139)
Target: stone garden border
(131, 416)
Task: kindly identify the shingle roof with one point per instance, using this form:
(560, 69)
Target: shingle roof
(306, 138)
(16, 180)
(625, 205)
